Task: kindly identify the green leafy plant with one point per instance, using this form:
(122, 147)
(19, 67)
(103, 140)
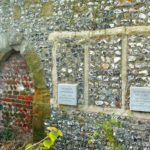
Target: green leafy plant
(46, 143)
(106, 131)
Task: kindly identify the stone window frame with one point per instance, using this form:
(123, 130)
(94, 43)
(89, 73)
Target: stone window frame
(55, 38)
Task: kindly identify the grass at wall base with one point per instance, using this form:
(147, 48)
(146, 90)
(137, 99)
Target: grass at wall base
(105, 131)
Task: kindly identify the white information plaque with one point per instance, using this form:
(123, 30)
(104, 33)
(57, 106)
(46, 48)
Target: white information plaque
(67, 94)
(140, 99)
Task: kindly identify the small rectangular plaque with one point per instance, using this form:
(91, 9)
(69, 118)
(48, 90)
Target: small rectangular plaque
(140, 99)
(67, 94)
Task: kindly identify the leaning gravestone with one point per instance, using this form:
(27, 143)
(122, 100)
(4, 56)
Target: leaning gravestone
(67, 94)
(140, 99)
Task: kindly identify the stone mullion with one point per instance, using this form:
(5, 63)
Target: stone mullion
(124, 69)
(86, 75)
(55, 74)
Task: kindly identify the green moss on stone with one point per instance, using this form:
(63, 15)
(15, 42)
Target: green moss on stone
(33, 61)
(41, 110)
(1, 56)
(95, 12)
(47, 9)
(79, 9)
(4, 54)
(41, 101)
(35, 67)
(17, 12)
(38, 128)
(126, 15)
(107, 131)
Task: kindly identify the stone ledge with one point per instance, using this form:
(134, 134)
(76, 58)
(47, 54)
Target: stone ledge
(110, 111)
(55, 36)
(129, 113)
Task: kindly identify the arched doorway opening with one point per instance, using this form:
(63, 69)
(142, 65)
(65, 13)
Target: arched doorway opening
(17, 91)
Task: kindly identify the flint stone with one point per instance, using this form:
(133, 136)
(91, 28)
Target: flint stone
(117, 59)
(63, 69)
(118, 53)
(139, 44)
(115, 78)
(140, 65)
(132, 45)
(131, 66)
(99, 103)
(105, 66)
(131, 58)
(112, 104)
(142, 16)
(99, 77)
(118, 11)
(145, 72)
(69, 70)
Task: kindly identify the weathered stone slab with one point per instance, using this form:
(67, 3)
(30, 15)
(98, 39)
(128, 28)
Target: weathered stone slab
(67, 94)
(140, 99)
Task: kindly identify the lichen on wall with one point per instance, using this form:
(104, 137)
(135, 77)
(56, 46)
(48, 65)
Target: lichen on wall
(47, 9)
(27, 3)
(35, 67)
(17, 12)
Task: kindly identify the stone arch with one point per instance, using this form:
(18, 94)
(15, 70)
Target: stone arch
(11, 42)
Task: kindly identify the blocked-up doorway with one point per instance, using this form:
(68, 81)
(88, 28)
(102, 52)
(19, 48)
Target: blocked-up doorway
(17, 92)
(25, 104)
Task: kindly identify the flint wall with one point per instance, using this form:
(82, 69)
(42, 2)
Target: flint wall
(102, 62)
